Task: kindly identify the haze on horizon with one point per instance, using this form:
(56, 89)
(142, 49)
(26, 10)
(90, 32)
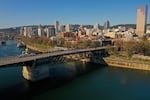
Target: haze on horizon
(34, 12)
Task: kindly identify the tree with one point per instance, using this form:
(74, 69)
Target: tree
(129, 48)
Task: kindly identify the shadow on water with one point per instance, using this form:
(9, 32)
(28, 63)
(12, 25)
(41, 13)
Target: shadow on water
(60, 75)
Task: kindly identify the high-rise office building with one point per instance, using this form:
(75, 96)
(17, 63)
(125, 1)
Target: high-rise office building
(22, 31)
(40, 31)
(50, 31)
(28, 31)
(62, 28)
(106, 24)
(56, 27)
(141, 20)
(69, 28)
(97, 26)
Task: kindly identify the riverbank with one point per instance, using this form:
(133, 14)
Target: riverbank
(36, 49)
(127, 63)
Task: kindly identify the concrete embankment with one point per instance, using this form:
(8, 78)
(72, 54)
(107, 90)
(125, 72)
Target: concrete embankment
(124, 63)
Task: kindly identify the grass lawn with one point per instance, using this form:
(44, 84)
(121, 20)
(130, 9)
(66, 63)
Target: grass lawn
(41, 46)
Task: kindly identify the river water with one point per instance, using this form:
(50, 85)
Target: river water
(73, 81)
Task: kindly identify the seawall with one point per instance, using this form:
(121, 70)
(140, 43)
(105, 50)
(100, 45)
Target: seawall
(124, 63)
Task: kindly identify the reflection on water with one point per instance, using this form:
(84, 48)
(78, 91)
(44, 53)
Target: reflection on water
(59, 75)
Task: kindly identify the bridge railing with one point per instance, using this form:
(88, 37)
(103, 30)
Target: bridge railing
(16, 59)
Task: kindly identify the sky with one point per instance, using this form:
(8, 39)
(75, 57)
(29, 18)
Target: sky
(15, 13)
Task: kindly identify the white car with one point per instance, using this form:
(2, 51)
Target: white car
(23, 55)
(32, 54)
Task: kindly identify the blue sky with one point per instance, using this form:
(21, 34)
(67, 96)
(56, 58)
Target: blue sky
(45, 12)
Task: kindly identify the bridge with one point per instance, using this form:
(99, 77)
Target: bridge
(18, 60)
(32, 65)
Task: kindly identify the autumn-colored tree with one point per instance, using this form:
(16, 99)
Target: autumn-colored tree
(130, 48)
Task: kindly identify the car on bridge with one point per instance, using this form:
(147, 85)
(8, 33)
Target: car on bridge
(26, 55)
(23, 55)
(32, 54)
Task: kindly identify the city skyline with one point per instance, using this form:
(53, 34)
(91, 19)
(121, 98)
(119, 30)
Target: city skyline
(26, 12)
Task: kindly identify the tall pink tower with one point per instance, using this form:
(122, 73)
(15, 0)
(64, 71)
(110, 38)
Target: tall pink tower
(141, 20)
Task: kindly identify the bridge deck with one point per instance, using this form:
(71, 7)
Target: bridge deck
(16, 59)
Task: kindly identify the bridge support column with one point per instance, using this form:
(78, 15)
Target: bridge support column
(85, 57)
(96, 57)
(35, 73)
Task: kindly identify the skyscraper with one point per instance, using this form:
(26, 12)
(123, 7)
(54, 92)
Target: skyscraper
(141, 20)
(62, 28)
(56, 27)
(28, 31)
(97, 26)
(40, 31)
(69, 28)
(106, 25)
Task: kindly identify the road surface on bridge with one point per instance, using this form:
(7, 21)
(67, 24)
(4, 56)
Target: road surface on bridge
(17, 60)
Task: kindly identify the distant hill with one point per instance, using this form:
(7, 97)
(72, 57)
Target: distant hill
(10, 30)
(126, 25)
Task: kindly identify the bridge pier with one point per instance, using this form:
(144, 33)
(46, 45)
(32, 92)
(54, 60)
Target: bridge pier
(97, 57)
(34, 72)
(40, 69)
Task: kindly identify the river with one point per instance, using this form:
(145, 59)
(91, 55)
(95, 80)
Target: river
(73, 81)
